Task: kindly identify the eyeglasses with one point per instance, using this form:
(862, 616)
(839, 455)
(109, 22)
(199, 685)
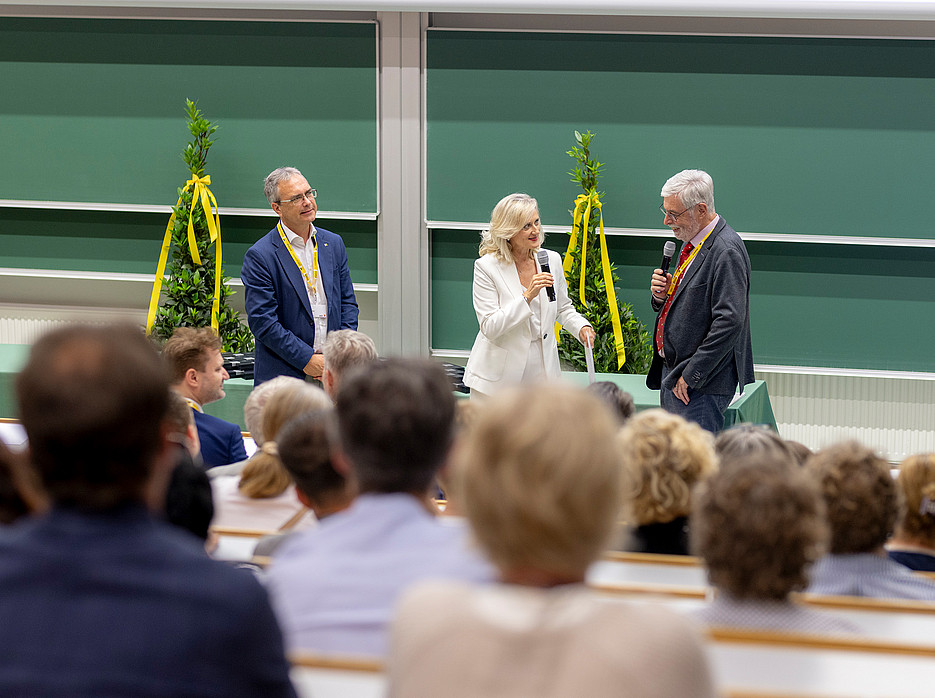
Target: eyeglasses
(675, 216)
(311, 195)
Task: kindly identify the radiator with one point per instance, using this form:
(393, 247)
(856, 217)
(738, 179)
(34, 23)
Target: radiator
(893, 413)
(22, 324)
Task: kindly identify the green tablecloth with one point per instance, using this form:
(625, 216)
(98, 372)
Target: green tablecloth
(751, 407)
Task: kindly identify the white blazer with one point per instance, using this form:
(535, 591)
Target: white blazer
(499, 355)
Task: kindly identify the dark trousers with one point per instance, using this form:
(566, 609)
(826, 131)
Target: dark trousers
(703, 409)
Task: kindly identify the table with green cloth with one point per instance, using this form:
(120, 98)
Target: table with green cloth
(752, 407)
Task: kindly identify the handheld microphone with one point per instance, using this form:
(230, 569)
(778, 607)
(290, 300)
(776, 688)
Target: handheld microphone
(543, 258)
(667, 253)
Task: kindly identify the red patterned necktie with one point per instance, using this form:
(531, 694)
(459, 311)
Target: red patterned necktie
(686, 250)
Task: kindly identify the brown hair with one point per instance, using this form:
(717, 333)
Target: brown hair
(916, 481)
(396, 423)
(188, 347)
(664, 457)
(264, 475)
(860, 495)
(540, 479)
(758, 525)
(92, 401)
(306, 447)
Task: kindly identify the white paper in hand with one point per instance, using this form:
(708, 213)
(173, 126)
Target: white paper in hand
(589, 357)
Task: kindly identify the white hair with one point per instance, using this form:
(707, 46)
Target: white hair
(692, 187)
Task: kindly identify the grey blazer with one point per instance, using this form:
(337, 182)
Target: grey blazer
(707, 332)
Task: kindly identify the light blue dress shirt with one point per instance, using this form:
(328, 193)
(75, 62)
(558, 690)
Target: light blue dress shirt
(334, 588)
(867, 574)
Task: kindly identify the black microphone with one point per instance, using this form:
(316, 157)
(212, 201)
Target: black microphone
(667, 253)
(543, 257)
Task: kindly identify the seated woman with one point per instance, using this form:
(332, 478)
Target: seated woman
(663, 458)
(263, 496)
(913, 541)
(540, 480)
(758, 524)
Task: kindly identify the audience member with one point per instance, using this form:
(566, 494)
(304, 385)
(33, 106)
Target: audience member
(198, 375)
(97, 597)
(253, 419)
(801, 451)
(615, 397)
(913, 543)
(263, 497)
(863, 503)
(20, 492)
(663, 457)
(344, 350)
(542, 501)
(758, 524)
(742, 441)
(188, 498)
(334, 587)
(306, 447)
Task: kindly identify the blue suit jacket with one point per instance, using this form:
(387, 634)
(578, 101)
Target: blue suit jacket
(707, 331)
(221, 441)
(278, 310)
(118, 604)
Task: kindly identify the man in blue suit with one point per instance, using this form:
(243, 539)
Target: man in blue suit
(297, 283)
(98, 597)
(197, 373)
(702, 346)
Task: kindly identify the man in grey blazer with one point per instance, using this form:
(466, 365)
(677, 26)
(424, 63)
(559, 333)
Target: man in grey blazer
(701, 341)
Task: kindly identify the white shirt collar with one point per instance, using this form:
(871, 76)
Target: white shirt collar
(294, 237)
(695, 241)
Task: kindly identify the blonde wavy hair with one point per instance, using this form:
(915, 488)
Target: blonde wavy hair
(664, 458)
(264, 475)
(917, 482)
(508, 218)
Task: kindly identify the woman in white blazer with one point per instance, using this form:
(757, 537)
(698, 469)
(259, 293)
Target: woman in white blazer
(516, 342)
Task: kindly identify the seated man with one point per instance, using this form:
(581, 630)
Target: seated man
(197, 373)
(863, 504)
(98, 598)
(334, 587)
(342, 351)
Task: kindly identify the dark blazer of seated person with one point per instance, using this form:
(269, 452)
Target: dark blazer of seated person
(221, 441)
(97, 597)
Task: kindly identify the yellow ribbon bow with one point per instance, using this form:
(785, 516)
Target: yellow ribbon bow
(200, 194)
(581, 219)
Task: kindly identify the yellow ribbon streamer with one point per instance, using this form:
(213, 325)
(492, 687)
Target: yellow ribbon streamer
(200, 195)
(584, 204)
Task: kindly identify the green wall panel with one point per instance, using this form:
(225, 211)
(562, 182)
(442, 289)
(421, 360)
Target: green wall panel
(804, 136)
(93, 110)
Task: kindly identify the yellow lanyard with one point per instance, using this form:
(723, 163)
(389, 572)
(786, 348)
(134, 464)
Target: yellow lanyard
(312, 284)
(684, 265)
(194, 405)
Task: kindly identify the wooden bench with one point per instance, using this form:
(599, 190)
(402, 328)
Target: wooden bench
(321, 676)
(749, 663)
(744, 664)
